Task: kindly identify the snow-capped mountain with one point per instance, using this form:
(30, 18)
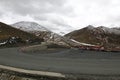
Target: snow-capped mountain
(97, 35)
(39, 31)
(35, 27)
(29, 26)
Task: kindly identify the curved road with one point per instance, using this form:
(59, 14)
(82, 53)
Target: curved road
(63, 61)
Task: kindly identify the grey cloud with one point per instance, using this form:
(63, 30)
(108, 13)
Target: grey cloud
(1, 12)
(40, 17)
(24, 7)
(57, 14)
(54, 19)
(49, 11)
(59, 22)
(114, 19)
(55, 24)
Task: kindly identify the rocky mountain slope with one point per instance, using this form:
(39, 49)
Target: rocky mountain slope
(109, 37)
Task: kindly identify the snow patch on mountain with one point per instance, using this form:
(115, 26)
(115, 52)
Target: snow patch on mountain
(3, 43)
(80, 43)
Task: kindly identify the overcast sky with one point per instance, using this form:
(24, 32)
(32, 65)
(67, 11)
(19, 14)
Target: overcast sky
(64, 15)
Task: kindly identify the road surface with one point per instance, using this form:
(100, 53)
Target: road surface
(64, 61)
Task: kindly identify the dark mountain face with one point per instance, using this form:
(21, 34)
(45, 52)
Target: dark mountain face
(104, 36)
(10, 35)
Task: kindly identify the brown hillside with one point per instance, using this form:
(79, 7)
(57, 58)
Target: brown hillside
(7, 31)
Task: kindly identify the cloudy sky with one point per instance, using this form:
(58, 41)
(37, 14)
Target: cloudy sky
(63, 15)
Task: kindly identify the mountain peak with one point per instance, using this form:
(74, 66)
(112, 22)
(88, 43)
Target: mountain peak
(90, 27)
(29, 26)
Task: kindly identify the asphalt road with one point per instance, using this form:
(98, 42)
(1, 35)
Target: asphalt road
(63, 61)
